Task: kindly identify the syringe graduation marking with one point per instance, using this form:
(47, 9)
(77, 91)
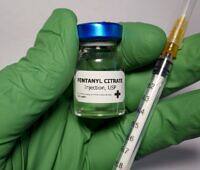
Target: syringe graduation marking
(161, 70)
(146, 106)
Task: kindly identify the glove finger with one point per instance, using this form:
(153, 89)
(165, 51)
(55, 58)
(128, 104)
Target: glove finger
(170, 124)
(141, 44)
(30, 86)
(56, 48)
(104, 147)
(185, 71)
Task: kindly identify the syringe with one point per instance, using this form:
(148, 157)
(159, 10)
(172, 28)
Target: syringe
(160, 72)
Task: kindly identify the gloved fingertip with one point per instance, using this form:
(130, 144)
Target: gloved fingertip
(64, 13)
(60, 20)
(141, 44)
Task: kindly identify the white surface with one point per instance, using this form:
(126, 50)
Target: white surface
(21, 20)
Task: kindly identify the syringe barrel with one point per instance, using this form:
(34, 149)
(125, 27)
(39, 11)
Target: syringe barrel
(177, 33)
(155, 88)
(187, 8)
(144, 113)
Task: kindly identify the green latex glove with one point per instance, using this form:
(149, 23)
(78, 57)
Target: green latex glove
(38, 129)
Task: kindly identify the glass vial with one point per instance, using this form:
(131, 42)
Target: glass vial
(99, 81)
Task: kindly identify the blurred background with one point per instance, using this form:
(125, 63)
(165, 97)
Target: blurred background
(21, 20)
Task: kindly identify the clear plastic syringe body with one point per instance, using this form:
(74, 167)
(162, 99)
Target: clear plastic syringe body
(150, 99)
(187, 8)
(147, 104)
(177, 33)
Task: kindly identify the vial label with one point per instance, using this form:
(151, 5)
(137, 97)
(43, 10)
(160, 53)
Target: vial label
(99, 86)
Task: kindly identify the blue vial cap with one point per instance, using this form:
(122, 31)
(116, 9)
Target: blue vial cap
(100, 31)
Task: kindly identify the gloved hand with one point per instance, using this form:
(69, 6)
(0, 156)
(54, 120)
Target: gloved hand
(38, 129)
